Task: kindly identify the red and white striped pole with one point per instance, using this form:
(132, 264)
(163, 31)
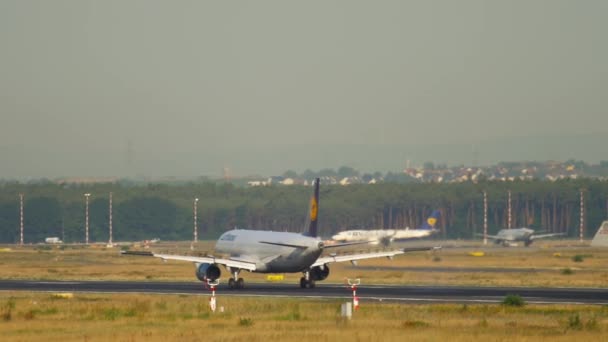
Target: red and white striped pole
(582, 226)
(353, 286)
(86, 219)
(485, 218)
(509, 211)
(21, 217)
(195, 209)
(110, 223)
(212, 285)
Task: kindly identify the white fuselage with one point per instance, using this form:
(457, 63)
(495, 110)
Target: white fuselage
(272, 252)
(381, 234)
(515, 234)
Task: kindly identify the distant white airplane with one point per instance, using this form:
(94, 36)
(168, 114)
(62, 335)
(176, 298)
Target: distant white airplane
(274, 252)
(386, 236)
(508, 237)
(601, 236)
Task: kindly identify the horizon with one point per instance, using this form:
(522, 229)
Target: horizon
(76, 179)
(187, 89)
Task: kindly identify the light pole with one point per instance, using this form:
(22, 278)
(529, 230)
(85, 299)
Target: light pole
(110, 220)
(509, 211)
(485, 218)
(581, 228)
(21, 217)
(86, 218)
(195, 226)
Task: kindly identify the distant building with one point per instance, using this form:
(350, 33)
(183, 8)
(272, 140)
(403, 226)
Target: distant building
(257, 183)
(288, 181)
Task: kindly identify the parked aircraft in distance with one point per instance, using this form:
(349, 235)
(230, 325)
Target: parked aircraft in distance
(386, 236)
(509, 237)
(601, 236)
(274, 252)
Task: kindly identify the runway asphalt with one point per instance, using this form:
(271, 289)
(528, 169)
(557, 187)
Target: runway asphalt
(366, 293)
(462, 269)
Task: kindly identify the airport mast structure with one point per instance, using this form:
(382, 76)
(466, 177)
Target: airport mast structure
(509, 210)
(21, 218)
(485, 218)
(86, 219)
(582, 223)
(110, 220)
(195, 219)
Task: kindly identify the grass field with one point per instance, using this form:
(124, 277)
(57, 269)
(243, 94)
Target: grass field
(549, 264)
(91, 317)
(26, 316)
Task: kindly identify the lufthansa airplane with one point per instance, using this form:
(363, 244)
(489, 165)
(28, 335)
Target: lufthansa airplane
(274, 252)
(387, 236)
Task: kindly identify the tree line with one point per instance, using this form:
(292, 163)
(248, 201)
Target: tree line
(166, 211)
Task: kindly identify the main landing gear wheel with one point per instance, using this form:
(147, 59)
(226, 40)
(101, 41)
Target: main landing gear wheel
(307, 284)
(236, 284)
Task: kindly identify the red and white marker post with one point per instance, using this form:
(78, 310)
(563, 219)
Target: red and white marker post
(353, 286)
(212, 285)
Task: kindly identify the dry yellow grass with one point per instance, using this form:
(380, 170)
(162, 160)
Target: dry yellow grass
(129, 317)
(77, 263)
(99, 317)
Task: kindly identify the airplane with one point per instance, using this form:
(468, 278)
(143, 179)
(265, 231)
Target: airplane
(508, 237)
(274, 252)
(601, 236)
(387, 236)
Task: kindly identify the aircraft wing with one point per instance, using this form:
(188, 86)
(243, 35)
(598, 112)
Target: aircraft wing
(362, 256)
(346, 244)
(542, 236)
(233, 263)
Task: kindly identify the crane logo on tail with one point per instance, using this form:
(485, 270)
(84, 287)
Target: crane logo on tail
(313, 209)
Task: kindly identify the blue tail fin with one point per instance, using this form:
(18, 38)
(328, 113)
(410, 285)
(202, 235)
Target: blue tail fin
(431, 221)
(313, 210)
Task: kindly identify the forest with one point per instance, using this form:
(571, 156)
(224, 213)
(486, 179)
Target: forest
(166, 211)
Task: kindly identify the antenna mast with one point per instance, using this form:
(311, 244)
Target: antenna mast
(21, 217)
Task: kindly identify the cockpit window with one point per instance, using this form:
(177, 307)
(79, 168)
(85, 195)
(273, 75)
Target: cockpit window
(228, 237)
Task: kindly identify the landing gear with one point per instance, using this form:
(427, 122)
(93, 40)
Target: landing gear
(235, 282)
(306, 282)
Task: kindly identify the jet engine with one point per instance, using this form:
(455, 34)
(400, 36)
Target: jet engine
(206, 272)
(319, 272)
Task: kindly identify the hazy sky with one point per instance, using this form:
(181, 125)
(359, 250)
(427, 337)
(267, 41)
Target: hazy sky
(184, 88)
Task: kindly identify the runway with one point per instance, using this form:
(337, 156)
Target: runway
(464, 269)
(366, 293)
(446, 269)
